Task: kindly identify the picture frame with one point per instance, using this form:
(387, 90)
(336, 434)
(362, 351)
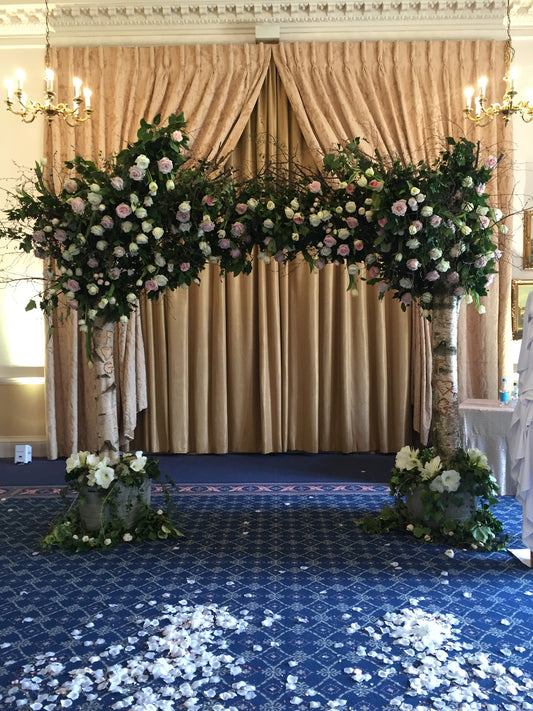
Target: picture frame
(520, 290)
(527, 228)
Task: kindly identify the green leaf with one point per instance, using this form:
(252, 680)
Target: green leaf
(30, 305)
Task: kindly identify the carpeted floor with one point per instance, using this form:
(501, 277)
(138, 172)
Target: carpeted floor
(274, 600)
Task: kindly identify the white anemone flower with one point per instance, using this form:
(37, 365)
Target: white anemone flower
(450, 479)
(138, 464)
(104, 475)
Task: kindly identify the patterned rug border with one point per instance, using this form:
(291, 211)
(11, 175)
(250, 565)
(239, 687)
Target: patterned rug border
(22, 492)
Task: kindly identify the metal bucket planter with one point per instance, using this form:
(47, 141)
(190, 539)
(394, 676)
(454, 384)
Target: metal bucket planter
(461, 511)
(97, 507)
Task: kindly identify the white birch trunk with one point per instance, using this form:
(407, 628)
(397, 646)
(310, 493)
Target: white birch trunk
(445, 431)
(105, 388)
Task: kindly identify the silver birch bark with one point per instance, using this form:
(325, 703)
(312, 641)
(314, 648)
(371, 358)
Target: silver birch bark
(105, 388)
(445, 431)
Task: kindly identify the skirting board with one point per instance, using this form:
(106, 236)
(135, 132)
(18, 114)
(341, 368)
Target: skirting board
(39, 446)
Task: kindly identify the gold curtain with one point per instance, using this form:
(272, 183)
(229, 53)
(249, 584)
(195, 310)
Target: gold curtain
(281, 359)
(405, 97)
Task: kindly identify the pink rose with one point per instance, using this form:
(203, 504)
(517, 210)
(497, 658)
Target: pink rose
(207, 225)
(315, 186)
(412, 264)
(237, 228)
(484, 221)
(432, 276)
(343, 250)
(481, 262)
(165, 165)
(452, 277)
(376, 185)
(136, 173)
(107, 222)
(241, 208)
(60, 235)
(38, 236)
(382, 286)
(224, 243)
(235, 252)
(185, 266)
(491, 162)
(352, 222)
(319, 264)
(459, 291)
(435, 220)
(176, 136)
(417, 225)
(183, 216)
(373, 272)
(329, 241)
(350, 188)
(78, 205)
(73, 304)
(480, 188)
(123, 210)
(70, 185)
(399, 208)
(208, 200)
(406, 298)
(117, 182)
(358, 245)
(151, 285)
(382, 221)
(92, 262)
(73, 285)
(298, 219)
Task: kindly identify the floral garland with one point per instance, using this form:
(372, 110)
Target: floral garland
(439, 489)
(100, 474)
(149, 221)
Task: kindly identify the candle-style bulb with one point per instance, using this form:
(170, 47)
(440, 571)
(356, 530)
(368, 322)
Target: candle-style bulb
(469, 93)
(77, 86)
(10, 86)
(49, 79)
(20, 76)
(482, 84)
(87, 96)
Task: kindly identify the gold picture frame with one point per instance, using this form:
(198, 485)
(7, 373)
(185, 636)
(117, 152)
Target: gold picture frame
(527, 228)
(520, 289)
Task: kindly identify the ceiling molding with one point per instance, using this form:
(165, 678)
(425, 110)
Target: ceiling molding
(130, 21)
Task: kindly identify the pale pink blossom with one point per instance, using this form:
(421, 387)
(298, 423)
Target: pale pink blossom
(92, 262)
(382, 221)
(151, 285)
(358, 245)
(224, 243)
(39, 236)
(373, 272)
(177, 136)
(60, 235)
(107, 222)
(235, 252)
(137, 173)
(240, 208)
(491, 162)
(183, 216)
(207, 225)
(330, 241)
(352, 222)
(298, 219)
(350, 188)
(315, 187)
(185, 266)
(77, 205)
(237, 228)
(484, 221)
(123, 210)
(452, 277)
(70, 185)
(208, 200)
(165, 165)
(435, 220)
(480, 188)
(382, 286)
(73, 304)
(399, 208)
(432, 276)
(406, 298)
(117, 182)
(412, 264)
(73, 285)
(481, 262)
(343, 250)
(376, 185)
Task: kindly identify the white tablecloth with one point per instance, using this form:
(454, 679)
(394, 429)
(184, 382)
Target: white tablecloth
(485, 425)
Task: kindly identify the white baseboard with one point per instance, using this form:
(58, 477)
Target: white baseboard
(39, 446)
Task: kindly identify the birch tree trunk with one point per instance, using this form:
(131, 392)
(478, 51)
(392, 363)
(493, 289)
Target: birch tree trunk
(445, 435)
(105, 388)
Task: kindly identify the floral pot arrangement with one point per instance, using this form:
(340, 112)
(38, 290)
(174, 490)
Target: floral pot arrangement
(108, 502)
(442, 504)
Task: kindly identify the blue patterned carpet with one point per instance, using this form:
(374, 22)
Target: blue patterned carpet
(310, 594)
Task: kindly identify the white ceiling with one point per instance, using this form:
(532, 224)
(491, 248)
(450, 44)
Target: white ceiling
(93, 22)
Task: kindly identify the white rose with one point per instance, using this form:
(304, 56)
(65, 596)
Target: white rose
(426, 211)
(157, 232)
(142, 162)
(350, 206)
(268, 223)
(465, 229)
(343, 233)
(443, 266)
(141, 239)
(314, 220)
(289, 213)
(92, 289)
(146, 226)
(97, 230)
(252, 203)
(413, 243)
(160, 280)
(131, 298)
(101, 245)
(184, 206)
(482, 210)
(362, 182)
(141, 213)
(295, 204)
(94, 199)
(170, 185)
(435, 253)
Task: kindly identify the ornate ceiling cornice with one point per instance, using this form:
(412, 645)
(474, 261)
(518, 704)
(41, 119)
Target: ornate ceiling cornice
(98, 22)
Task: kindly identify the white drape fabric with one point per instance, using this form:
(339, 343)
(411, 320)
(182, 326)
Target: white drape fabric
(521, 433)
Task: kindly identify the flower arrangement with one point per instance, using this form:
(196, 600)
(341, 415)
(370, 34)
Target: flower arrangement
(442, 504)
(120, 488)
(150, 218)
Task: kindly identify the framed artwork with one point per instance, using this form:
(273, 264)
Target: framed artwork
(528, 236)
(520, 289)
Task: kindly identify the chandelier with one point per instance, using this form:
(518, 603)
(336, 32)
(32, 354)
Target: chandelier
(482, 113)
(20, 105)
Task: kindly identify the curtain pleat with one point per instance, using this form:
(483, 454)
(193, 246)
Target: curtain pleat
(281, 359)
